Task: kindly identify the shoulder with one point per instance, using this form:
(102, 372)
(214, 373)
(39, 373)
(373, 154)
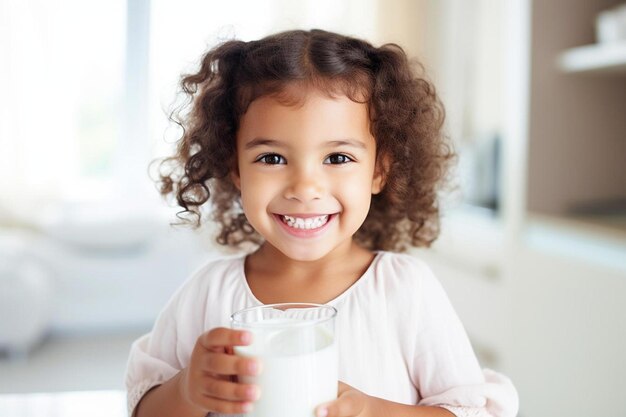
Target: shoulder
(408, 273)
(224, 266)
(213, 274)
(404, 266)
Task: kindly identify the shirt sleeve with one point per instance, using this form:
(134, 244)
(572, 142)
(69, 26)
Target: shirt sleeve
(159, 355)
(447, 371)
(151, 364)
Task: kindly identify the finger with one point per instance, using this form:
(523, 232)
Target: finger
(230, 391)
(217, 405)
(225, 364)
(345, 406)
(224, 337)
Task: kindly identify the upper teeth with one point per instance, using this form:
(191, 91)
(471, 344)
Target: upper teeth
(308, 223)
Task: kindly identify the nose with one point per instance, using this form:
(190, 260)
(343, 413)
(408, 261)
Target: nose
(304, 185)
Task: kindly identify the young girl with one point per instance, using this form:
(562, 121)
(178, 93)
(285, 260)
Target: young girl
(326, 154)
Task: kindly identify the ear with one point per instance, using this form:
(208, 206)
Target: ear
(380, 174)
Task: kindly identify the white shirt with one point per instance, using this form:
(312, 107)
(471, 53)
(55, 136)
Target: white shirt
(399, 337)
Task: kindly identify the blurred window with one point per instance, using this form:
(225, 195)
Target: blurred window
(62, 84)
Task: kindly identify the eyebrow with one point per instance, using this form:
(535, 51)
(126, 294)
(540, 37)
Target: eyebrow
(272, 142)
(263, 141)
(347, 142)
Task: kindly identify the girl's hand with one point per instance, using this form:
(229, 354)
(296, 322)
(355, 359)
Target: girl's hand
(350, 402)
(209, 382)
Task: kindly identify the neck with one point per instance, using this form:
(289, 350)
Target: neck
(273, 263)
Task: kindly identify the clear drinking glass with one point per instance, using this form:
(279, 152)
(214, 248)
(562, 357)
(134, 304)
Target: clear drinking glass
(297, 346)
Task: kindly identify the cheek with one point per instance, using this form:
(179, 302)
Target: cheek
(247, 188)
(357, 196)
(256, 191)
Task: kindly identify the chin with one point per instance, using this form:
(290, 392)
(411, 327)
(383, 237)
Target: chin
(304, 254)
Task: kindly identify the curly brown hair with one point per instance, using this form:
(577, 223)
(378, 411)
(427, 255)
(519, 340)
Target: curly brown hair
(406, 118)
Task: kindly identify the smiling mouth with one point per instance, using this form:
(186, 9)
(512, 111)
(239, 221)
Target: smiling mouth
(308, 223)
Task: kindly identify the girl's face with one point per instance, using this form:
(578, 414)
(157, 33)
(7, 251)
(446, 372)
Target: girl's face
(306, 172)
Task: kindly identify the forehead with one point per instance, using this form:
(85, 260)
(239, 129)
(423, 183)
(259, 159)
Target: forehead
(314, 114)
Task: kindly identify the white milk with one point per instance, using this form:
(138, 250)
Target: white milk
(300, 369)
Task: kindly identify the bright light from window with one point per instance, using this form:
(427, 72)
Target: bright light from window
(62, 93)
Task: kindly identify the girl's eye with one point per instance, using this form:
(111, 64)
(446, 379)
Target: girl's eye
(271, 159)
(338, 158)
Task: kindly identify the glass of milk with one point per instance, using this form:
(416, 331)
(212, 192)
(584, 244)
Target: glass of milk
(297, 347)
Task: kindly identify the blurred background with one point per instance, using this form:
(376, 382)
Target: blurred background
(533, 244)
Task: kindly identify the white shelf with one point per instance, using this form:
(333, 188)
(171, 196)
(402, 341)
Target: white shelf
(599, 58)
